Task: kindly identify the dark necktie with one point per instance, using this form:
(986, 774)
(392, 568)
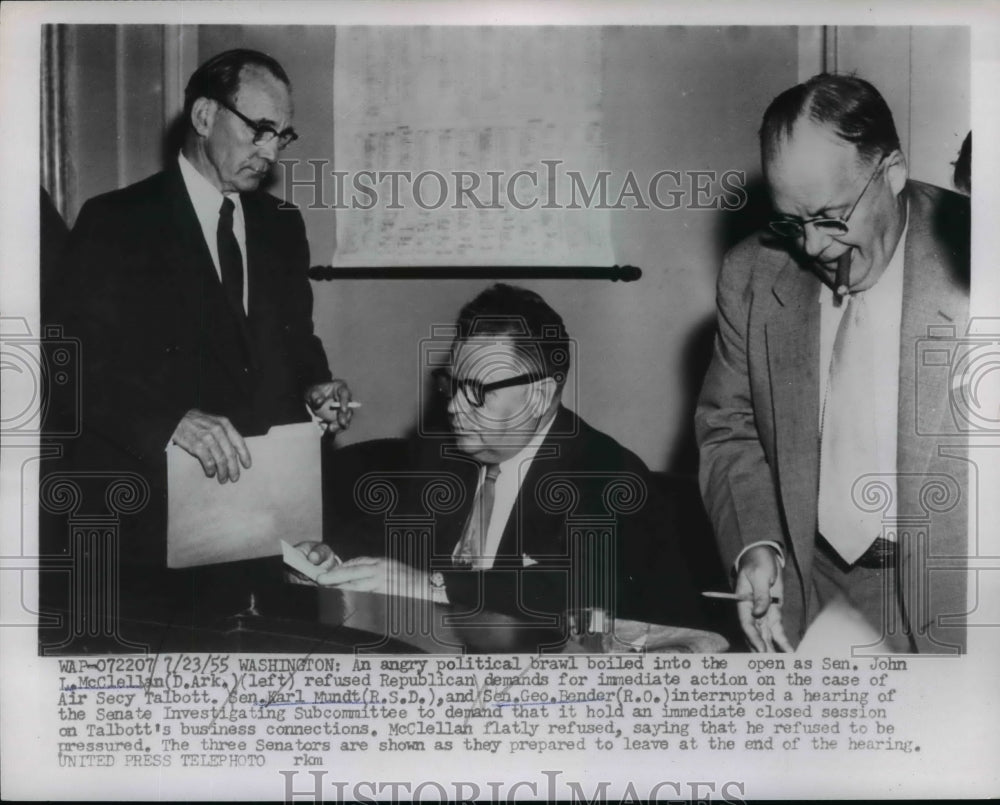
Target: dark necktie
(230, 258)
(472, 547)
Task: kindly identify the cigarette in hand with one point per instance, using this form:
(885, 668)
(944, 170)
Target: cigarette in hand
(333, 405)
(736, 596)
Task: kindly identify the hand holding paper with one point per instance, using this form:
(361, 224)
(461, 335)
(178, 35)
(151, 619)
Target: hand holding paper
(308, 559)
(279, 497)
(215, 443)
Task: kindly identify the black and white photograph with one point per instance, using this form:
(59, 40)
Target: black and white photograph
(484, 402)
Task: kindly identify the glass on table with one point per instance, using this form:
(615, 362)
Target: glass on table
(590, 629)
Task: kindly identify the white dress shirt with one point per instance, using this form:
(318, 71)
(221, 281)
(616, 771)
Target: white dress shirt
(508, 485)
(207, 201)
(885, 301)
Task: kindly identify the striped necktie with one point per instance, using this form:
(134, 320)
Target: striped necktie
(472, 547)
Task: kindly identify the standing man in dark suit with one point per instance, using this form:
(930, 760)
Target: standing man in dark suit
(545, 509)
(189, 294)
(831, 462)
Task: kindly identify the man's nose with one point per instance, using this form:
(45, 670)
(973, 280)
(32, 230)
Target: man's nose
(813, 240)
(269, 151)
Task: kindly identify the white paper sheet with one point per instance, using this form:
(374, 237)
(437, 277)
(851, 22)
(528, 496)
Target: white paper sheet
(279, 497)
(840, 628)
(297, 560)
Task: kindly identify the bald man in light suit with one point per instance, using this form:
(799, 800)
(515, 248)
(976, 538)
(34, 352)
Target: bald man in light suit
(798, 528)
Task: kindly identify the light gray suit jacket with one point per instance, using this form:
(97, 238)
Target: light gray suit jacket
(758, 414)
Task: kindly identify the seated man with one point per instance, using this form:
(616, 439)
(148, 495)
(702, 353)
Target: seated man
(548, 514)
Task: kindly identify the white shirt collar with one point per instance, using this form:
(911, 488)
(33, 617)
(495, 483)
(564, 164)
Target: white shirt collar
(508, 485)
(207, 201)
(527, 453)
(888, 289)
(204, 195)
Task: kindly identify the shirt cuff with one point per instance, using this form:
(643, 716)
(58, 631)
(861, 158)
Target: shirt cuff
(439, 595)
(320, 422)
(771, 544)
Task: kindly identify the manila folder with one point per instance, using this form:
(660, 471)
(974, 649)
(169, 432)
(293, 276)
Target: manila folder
(278, 498)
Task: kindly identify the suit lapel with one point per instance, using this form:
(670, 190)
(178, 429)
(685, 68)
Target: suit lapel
(528, 522)
(792, 334)
(264, 260)
(932, 310)
(258, 257)
(530, 527)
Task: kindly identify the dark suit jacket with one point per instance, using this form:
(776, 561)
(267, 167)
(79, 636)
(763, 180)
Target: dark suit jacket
(758, 415)
(587, 514)
(158, 339)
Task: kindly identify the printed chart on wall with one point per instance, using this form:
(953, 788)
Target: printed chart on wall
(465, 146)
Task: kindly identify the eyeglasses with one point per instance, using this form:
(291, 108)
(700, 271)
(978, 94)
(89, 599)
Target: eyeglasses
(263, 134)
(475, 391)
(790, 228)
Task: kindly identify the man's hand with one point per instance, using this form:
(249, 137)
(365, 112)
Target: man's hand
(330, 402)
(214, 442)
(760, 576)
(387, 576)
(319, 554)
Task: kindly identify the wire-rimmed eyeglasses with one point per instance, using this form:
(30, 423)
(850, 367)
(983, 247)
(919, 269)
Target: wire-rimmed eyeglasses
(792, 228)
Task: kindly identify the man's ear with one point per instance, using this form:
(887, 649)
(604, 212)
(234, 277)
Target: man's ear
(546, 392)
(897, 171)
(203, 115)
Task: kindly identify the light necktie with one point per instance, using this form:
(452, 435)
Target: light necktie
(230, 258)
(472, 547)
(848, 436)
